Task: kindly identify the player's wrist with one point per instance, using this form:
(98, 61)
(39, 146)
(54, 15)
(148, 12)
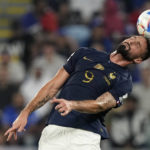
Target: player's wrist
(73, 105)
(25, 112)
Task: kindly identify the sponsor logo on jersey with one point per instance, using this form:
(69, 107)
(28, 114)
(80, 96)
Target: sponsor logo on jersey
(88, 59)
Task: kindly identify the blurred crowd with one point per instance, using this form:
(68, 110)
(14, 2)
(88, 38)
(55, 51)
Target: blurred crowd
(42, 40)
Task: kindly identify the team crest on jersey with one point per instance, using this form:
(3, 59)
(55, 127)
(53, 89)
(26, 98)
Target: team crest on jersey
(99, 66)
(109, 77)
(112, 75)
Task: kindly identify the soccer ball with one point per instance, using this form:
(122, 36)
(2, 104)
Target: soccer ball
(143, 24)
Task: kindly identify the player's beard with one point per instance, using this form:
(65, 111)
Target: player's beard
(121, 49)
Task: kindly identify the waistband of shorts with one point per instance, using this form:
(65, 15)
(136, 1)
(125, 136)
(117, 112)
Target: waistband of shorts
(69, 129)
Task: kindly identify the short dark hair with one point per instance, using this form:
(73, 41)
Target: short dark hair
(147, 54)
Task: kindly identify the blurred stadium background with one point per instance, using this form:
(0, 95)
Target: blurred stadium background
(36, 38)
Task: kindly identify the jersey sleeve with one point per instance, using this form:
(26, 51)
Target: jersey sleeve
(74, 57)
(121, 90)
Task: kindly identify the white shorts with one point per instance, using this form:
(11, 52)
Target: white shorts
(64, 138)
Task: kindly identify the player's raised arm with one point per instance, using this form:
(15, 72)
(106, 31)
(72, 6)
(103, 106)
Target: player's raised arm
(46, 93)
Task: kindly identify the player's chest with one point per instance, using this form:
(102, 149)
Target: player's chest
(95, 73)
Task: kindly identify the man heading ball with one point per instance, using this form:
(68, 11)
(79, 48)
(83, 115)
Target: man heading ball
(91, 83)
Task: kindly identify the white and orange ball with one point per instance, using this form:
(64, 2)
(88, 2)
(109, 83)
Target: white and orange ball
(143, 24)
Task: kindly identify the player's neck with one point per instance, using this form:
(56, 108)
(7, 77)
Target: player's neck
(119, 60)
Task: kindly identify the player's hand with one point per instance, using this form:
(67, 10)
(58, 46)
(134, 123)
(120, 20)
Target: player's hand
(64, 107)
(17, 126)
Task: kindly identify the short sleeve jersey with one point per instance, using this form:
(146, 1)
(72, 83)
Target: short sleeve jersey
(91, 74)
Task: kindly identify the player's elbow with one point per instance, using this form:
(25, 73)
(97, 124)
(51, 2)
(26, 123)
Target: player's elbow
(105, 103)
(97, 108)
(101, 107)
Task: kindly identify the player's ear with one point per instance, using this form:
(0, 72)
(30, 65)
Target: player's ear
(138, 60)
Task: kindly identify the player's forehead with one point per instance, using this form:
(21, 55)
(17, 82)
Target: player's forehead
(140, 39)
(143, 41)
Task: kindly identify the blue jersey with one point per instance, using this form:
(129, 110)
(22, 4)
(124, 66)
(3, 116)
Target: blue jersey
(91, 74)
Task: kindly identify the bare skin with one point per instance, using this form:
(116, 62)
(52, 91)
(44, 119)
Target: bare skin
(102, 103)
(106, 101)
(138, 46)
(43, 96)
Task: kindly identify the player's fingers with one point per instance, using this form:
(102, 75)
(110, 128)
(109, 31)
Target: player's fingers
(57, 107)
(61, 110)
(15, 135)
(64, 113)
(55, 101)
(8, 131)
(21, 128)
(9, 136)
(54, 98)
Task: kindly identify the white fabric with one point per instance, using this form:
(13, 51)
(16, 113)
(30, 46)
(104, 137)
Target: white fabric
(121, 128)
(143, 94)
(49, 66)
(16, 70)
(62, 138)
(87, 7)
(30, 88)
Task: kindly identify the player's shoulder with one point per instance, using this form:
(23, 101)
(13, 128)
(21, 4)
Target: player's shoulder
(126, 78)
(124, 74)
(85, 50)
(89, 50)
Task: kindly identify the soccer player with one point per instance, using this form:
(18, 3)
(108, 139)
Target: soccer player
(92, 84)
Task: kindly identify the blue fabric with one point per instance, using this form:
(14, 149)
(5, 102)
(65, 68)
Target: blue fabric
(91, 75)
(10, 114)
(28, 20)
(78, 32)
